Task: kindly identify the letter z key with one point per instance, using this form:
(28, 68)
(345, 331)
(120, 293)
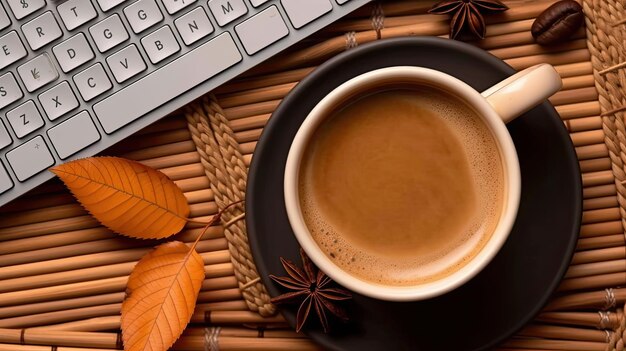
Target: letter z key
(25, 119)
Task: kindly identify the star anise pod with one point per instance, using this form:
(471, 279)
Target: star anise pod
(467, 13)
(311, 288)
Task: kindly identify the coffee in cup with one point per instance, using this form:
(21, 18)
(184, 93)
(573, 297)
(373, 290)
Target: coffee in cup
(403, 182)
(401, 186)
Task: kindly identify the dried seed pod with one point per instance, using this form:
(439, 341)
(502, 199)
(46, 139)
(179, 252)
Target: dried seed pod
(558, 22)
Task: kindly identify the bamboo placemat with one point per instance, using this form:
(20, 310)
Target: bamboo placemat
(62, 276)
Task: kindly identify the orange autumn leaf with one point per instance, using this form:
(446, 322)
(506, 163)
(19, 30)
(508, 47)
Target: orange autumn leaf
(127, 197)
(161, 296)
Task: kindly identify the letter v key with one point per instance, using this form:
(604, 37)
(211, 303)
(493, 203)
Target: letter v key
(126, 63)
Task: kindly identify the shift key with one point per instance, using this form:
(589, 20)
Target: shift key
(30, 158)
(163, 85)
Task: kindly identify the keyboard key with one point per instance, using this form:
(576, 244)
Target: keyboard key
(5, 138)
(194, 26)
(65, 139)
(42, 30)
(341, 2)
(108, 33)
(25, 119)
(75, 13)
(126, 63)
(92, 82)
(303, 12)
(4, 18)
(23, 8)
(73, 52)
(143, 14)
(182, 74)
(30, 158)
(37, 72)
(226, 11)
(11, 49)
(5, 180)
(58, 100)
(173, 6)
(261, 30)
(9, 90)
(106, 5)
(257, 3)
(160, 44)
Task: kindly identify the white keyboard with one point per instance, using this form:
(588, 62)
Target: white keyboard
(77, 76)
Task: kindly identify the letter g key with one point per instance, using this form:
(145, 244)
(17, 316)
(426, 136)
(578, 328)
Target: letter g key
(108, 33)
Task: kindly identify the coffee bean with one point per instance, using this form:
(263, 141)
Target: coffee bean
(558, 22)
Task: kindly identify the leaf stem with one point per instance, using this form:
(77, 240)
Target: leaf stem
(211, 222)
(216, 218)
(189, 220)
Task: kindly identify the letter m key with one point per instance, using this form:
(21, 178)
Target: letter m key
(227, 8)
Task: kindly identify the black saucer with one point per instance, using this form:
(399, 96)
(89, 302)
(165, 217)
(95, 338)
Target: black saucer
(510, 290)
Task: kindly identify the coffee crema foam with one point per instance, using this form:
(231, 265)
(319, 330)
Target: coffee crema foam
(402, 187)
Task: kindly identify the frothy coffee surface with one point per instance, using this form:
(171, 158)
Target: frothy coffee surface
(402, 187)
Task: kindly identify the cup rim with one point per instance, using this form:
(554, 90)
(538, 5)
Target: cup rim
(508, 156)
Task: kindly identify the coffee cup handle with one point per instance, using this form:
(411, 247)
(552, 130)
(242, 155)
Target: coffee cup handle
(523, 91)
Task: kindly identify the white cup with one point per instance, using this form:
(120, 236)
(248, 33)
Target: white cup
(495, 106)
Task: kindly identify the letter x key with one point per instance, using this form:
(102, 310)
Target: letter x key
(58, 101)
